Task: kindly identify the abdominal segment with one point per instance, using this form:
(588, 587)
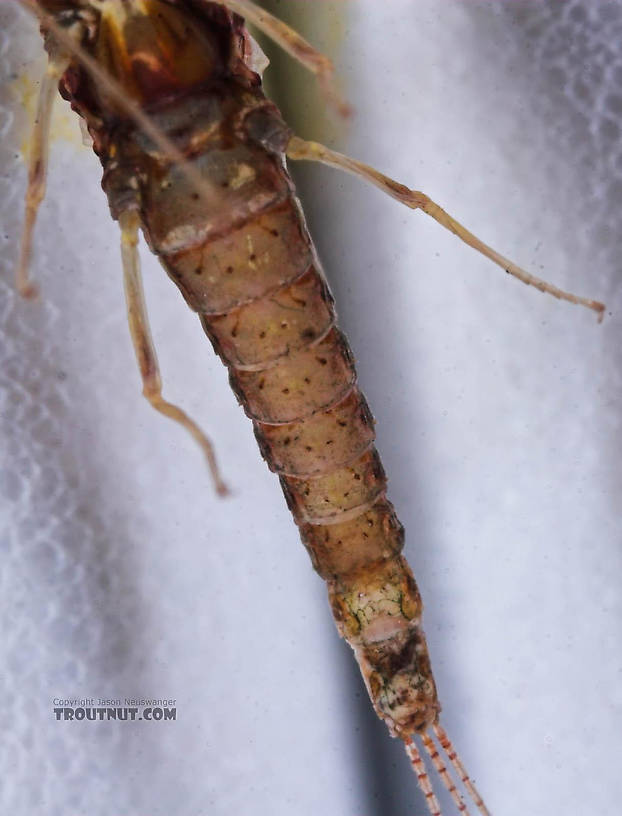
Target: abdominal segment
(257, 285)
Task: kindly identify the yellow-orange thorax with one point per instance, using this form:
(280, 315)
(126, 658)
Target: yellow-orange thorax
(154, 49)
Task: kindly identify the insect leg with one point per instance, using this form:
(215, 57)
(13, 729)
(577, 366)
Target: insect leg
(143, 344)
(37, 170)
(71, 42)
(295, 45)
(313, 151)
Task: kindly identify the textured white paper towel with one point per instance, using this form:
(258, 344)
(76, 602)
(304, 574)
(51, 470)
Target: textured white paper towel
(498, 420)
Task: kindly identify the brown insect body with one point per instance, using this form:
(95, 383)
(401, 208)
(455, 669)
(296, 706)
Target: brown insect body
(245, 262)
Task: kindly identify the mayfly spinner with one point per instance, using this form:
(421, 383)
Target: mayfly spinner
(194, 155)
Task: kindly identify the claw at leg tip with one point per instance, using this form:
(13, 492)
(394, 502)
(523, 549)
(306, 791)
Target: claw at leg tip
(600, 309)
(222, 489)
(29, 291)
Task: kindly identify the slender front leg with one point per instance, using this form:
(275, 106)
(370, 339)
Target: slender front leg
(143, 344)
(295, 45)
(313, 151)
(37, 169)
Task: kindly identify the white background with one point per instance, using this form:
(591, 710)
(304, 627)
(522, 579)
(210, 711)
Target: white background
(498, 420)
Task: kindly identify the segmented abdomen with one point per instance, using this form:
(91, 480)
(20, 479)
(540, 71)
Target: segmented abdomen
(249, 269)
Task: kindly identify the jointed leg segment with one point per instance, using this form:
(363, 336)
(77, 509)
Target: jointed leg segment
(144, 348)
(295, 45)
(313, 151)
(37, 170)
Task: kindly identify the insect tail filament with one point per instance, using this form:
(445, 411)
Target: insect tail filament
(444, 774)
(455, 760)
(422, 777)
